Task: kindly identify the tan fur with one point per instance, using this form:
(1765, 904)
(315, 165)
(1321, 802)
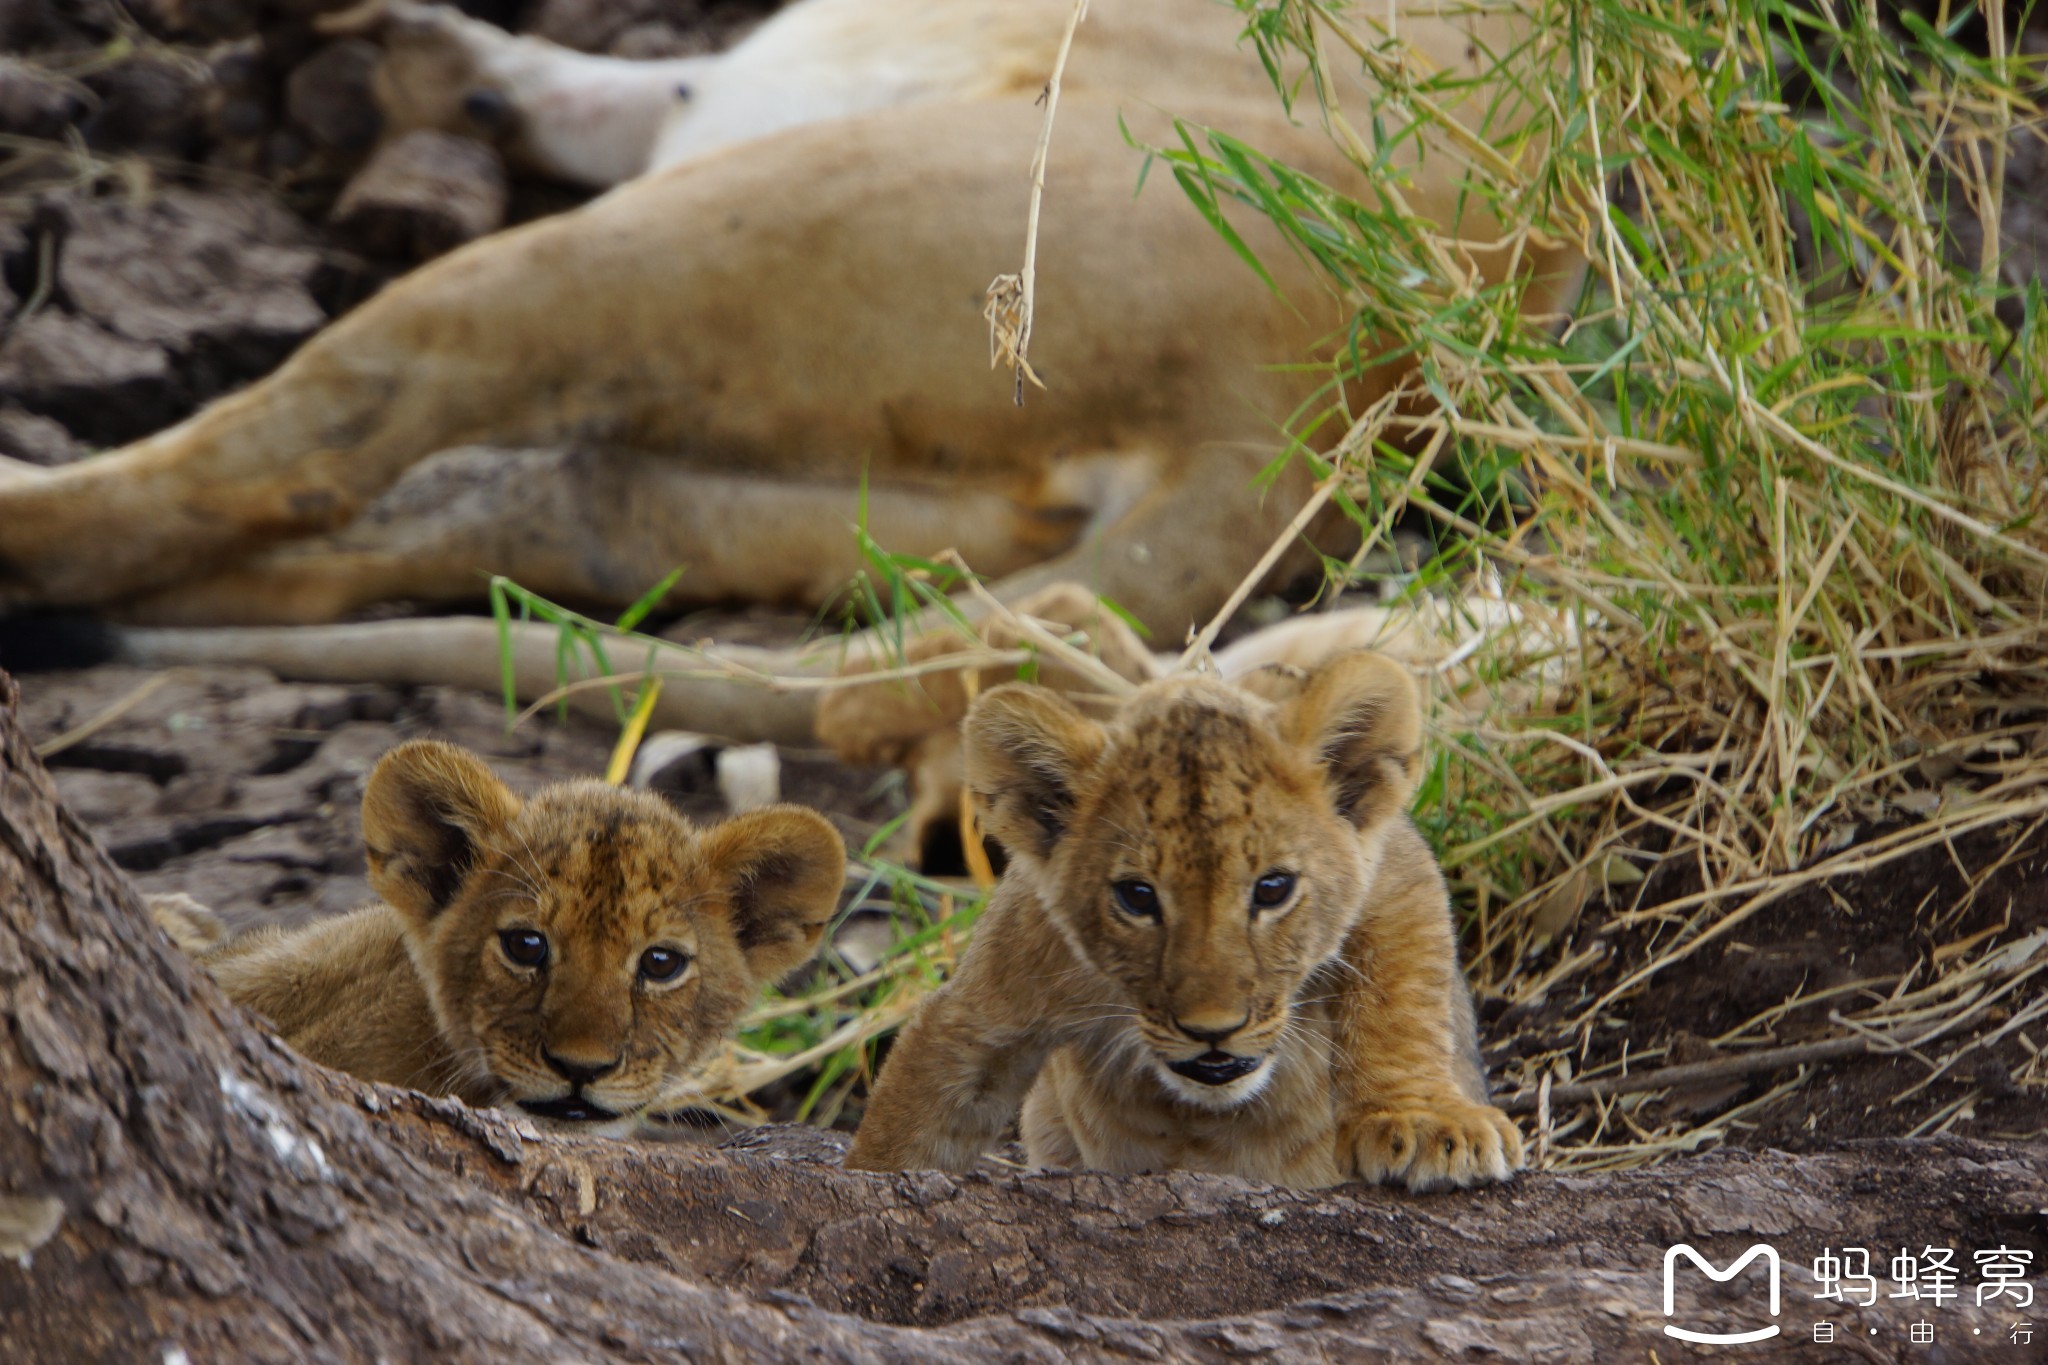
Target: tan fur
(420, 990)
(728, 349)
(1071, 1008)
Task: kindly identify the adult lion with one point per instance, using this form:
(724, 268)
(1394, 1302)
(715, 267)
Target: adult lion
(716, 359)
(711, 365)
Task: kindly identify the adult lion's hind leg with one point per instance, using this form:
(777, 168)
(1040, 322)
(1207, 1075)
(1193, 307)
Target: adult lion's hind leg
(432, 539)
(593, 529)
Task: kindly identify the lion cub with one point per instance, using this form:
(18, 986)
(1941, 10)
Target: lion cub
(579, 953)
(1220, 945)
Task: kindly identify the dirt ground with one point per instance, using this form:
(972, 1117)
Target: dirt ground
(167, 234)
(1830, 948)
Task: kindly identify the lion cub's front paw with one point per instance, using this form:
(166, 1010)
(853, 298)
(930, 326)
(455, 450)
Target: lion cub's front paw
(1434, 1146)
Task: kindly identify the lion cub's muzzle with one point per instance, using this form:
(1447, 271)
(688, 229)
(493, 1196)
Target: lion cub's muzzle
(1216, 1067)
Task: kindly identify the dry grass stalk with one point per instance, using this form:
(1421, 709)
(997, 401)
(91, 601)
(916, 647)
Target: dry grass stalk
(1012, 299)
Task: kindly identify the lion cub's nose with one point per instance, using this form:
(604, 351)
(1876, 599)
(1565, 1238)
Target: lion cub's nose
(578, 1072)
(1206, 1029)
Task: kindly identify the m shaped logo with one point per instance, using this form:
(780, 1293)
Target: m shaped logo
(1735, 1268)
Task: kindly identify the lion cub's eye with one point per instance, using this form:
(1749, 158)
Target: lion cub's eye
(524, 947)
(1137, 898)
(1272, 889)
(661, 965)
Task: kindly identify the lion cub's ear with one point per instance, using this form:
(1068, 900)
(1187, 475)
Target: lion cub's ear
(1359, 717)
(427, 810)
(1025, 751)
(781, 868)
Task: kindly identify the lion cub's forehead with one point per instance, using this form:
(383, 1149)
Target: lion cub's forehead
(594, 847)
(1196, 759)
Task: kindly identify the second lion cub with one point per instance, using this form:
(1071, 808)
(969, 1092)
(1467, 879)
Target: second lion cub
(1220, 945)
(579, 953)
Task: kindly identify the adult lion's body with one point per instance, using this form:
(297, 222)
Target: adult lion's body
(1220, 945)
(580, 953)
(732, 346)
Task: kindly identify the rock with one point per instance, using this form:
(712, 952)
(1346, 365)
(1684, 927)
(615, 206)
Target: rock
(238, 892)
(242, 69)
(328, 896)
(242, 119)
(330, 95)
(24, 24)
(149, 104)
(864, 937)
(35, 102)
(101, 386)
(287, 41)
(290, 846)
(185, 267)
(103, 797)
(159, 302)
(286, 151)
(749, 776)
(216, 19)
(588, 25)
(38, 440)
(423, 194)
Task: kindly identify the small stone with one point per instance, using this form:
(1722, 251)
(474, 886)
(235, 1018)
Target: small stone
(153, 104)
(35, 102)
(749, 776)
(424, 194)
(37, 439)
(26, 1223)
(330, 95)
(76, 368)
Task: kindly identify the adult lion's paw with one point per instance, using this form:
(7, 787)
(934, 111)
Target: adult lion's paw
(1434, 1146)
